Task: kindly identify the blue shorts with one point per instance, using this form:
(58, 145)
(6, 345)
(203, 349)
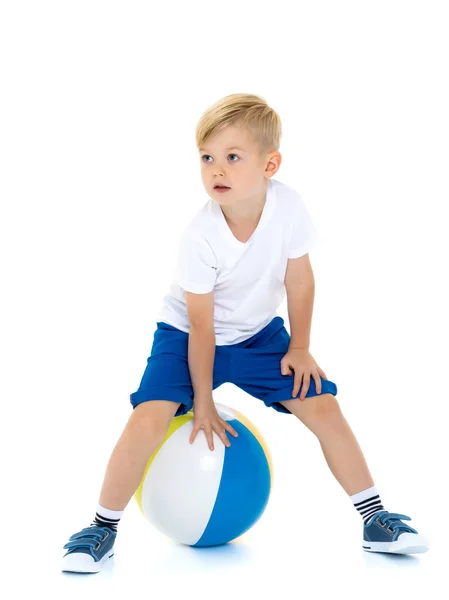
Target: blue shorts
(252, 365)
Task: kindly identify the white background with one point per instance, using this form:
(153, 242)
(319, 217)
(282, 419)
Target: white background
(99, 175)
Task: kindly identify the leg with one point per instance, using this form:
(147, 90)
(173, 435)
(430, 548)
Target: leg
(322, 415)
(143, 433)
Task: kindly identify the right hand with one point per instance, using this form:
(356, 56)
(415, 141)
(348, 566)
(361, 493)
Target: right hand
(208, 419)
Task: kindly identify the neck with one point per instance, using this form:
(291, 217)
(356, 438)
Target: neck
(247, 212)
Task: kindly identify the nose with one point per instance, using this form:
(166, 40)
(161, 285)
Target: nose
(218, 170)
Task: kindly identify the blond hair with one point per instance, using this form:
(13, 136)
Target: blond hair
(248, 111)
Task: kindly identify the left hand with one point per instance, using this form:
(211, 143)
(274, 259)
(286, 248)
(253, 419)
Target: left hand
(304, 365)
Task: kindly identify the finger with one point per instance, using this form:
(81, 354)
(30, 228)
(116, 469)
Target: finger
(210, 438)
(219, 428)
(322, 373)
(317, 379)
(285, 369)
(193, 434)
(297, 384)
(305, 386)
(229, 428)
(223, 437)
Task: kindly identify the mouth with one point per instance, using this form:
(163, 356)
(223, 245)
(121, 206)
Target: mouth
(221, 187)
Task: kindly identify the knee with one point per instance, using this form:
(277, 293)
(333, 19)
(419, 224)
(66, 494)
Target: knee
(325, 407)
(147, 423)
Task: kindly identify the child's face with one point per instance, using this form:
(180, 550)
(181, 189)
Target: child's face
(232, 158)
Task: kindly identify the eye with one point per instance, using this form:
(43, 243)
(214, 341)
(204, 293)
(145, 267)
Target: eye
(208, 155)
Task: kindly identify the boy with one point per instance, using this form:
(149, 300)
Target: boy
(241, 252)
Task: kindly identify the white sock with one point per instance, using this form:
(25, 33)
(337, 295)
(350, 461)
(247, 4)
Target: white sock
(105, 517)
(368, 503)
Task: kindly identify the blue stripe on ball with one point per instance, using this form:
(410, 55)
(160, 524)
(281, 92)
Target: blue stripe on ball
(244, 489)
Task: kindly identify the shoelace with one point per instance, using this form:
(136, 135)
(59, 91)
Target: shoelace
(89, 538)
(391, 520)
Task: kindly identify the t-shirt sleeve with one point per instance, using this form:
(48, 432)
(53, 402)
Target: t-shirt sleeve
(196, 266)
(303, 236)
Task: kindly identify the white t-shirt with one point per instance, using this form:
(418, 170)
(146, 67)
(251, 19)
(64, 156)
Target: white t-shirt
(247, 278)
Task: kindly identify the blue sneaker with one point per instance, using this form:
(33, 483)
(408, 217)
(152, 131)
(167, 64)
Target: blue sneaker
(385, 532)
(89, 549)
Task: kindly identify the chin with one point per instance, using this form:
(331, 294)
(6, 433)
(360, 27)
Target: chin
(222, 198)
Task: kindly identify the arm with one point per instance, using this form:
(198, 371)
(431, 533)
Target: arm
(300, 288)
(200, 310)
(201, 352)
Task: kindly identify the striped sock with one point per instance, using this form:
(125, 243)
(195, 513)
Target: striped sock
(368, 503)
(107, 518)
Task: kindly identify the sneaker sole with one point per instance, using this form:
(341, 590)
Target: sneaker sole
(80, 562)
(407, 543)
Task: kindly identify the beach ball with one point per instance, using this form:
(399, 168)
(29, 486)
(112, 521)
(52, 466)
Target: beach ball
(201, 497)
